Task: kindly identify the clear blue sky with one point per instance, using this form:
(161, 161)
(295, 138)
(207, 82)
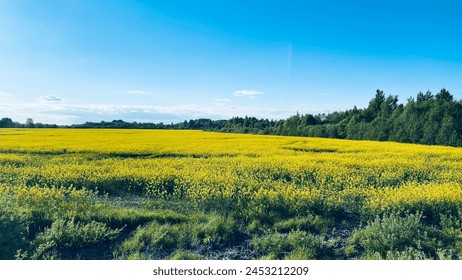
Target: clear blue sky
(167, 60)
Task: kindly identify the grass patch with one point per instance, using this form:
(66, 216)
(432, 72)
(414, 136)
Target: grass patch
(310, 223)
(293, 245)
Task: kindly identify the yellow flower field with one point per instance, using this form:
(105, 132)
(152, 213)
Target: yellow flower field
(258, 180)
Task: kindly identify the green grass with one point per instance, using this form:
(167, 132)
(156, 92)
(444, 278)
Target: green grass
(101, 227)
(293, 245)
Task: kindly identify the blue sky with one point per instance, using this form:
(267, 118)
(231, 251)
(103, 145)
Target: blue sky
(69, 61)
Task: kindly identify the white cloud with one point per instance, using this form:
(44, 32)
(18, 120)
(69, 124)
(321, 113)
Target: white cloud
(221, 102)
(248, 93)
(5, 94)
(141, 92)
(48, 99)
(66, 113)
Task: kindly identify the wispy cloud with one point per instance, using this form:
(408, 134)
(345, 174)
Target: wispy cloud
(248, 93)
(66, 113)
(5, 94)
(48, 99)
(221, 101)
(140, 92)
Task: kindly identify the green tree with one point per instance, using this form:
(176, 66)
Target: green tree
(30, 123)
(444, 95)
(6, 123)
(447, 135)
(421, 97)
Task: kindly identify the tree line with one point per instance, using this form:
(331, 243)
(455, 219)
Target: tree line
(433, 119)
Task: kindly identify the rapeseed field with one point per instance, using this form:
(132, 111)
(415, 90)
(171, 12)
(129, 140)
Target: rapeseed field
(173, 194)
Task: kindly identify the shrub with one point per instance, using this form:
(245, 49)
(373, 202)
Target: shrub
(391, 233)
(451, 229)
(14, 226)
(410, 253)
(69, 237)
(13, 233)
